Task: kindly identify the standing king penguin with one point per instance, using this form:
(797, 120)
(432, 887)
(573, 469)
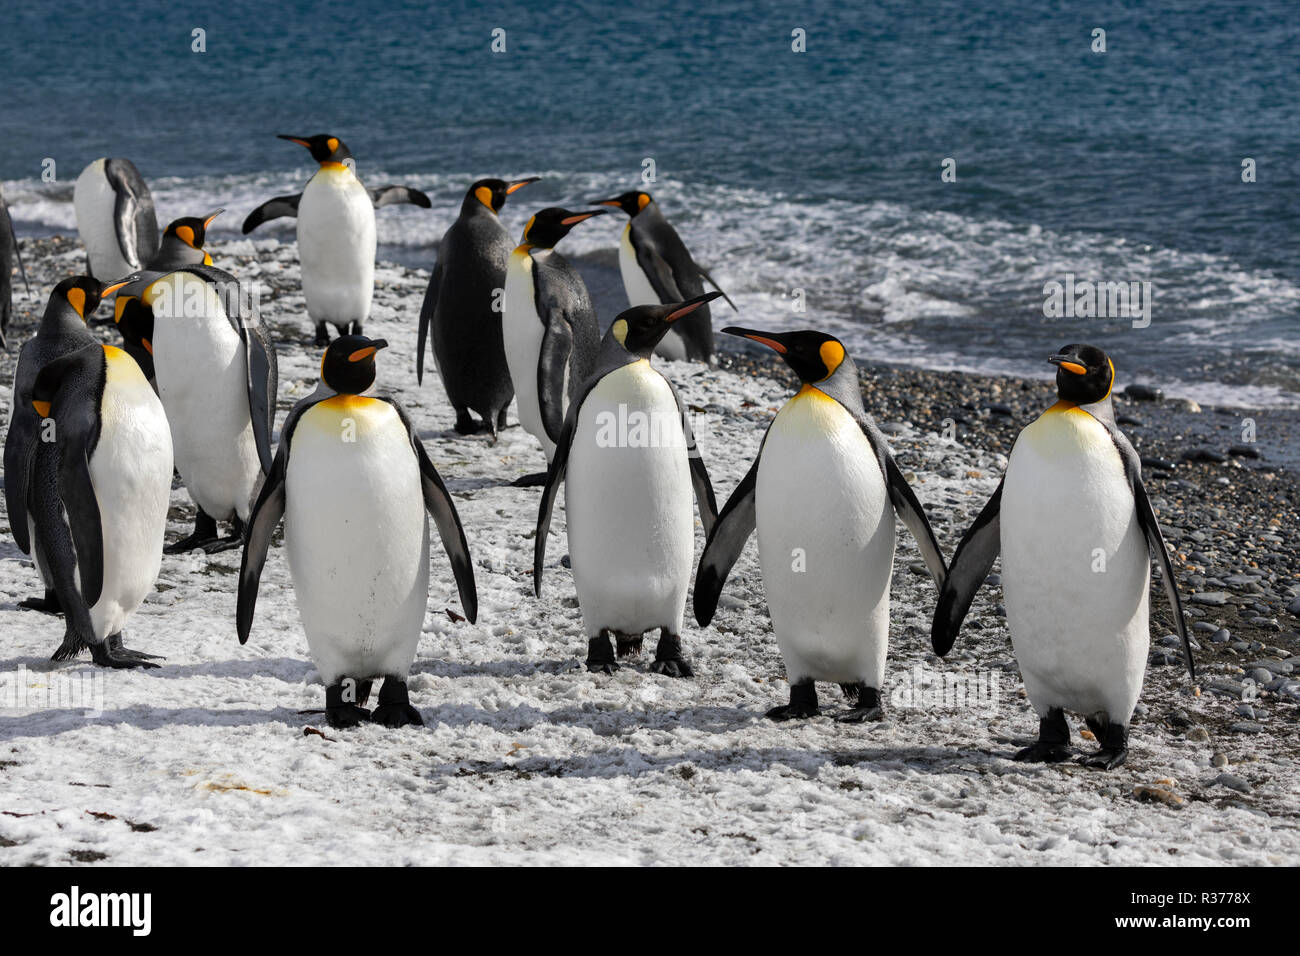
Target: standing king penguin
(629, 464)
(462, 309)
(62, 331)
(115, 217)
(822, 492)
(353, 482)
(551, 332)
(182, 245)
(336, 234)
(217, 378)
(657, 268)
(9, 256)
(98, 496)
(1077, 534)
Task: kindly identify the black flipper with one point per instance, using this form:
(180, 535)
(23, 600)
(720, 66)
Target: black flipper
(657, 271)
(971, 564)
(266, 514)
(1146, 518)
(18, 458)
(704, 497)
(261, 373)
(392, 195)
(77, 493)
(726, 542)
(554, 476)
(443, 511)
(427, 309)
(901, 496)
(713, 282)
(272, 209)
(552, 367)
(134, 218)
(913, 515)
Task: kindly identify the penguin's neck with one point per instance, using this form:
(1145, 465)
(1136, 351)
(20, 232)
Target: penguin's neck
(471, 205)
(62, 320)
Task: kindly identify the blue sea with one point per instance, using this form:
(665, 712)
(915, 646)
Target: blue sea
(794, 176)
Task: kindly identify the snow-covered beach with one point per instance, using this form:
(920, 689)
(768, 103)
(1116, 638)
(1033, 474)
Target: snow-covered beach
(222, 757)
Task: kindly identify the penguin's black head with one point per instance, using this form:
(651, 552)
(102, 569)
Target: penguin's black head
(493, 192)
(192, 230)
(84, 293)
(639, 329)
(1084, 374)
(549, 226)
(814, 356)
(631, 203)
(349, 363)
(324, 147)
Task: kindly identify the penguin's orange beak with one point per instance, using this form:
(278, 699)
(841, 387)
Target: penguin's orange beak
(758, 337)
(521, 183)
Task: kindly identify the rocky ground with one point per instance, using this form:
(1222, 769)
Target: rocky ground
(220, 757)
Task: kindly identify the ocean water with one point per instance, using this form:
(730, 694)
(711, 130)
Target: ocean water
(807, 177)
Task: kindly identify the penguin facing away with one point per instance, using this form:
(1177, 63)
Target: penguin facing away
(115, 217)
(657, 268)
(62, 330)
(462, 311)
(216, 372)
(551, 332)
(352, 482)
(10, 255)
(1077, 533)
(98, 496)
(182, 245)
(629, 464)
(336, 234)
(822, 492)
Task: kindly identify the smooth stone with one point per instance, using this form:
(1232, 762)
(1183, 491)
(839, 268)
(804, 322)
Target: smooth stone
(1212, 598)
(1232, 782)
(1219, 760)
(1144, 393)
(1205, 454)
(1247, 727)
(1198, 735)
(1221, 636)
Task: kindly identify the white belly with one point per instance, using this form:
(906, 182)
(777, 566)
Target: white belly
(202, 382)
(638, 287)
(826, 543)
(131, 470)
(1075, 568)
(628, 497)
(523, 332)
(95, 204)
(357, 539)
(336, 243)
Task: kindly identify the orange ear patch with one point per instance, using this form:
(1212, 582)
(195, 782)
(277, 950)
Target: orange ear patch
(832, 354)
(186, 235)
(642, 200)
(484, 195)
(77, 299)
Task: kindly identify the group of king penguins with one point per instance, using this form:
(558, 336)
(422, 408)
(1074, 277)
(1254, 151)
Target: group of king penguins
(96, 431)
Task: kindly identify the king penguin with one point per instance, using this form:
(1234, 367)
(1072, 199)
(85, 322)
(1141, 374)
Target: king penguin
(10, 255)
(115, 217)
(462, 309)
(336, 234)
(629, 463)
(62, 331)
(353, 482)
(182, 245)
(98, 496)
(1077, 533)
(217, 378)
(551, 332)
(657, 268)
(823, 493)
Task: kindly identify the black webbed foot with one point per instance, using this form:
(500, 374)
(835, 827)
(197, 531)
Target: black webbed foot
(866, 705)
(534, 480)
(112, 653)
(668, 657)
(395, 708)
(600, 655)
(1113, 739)
(343, 703)
(803, 703)
(1053, 744)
